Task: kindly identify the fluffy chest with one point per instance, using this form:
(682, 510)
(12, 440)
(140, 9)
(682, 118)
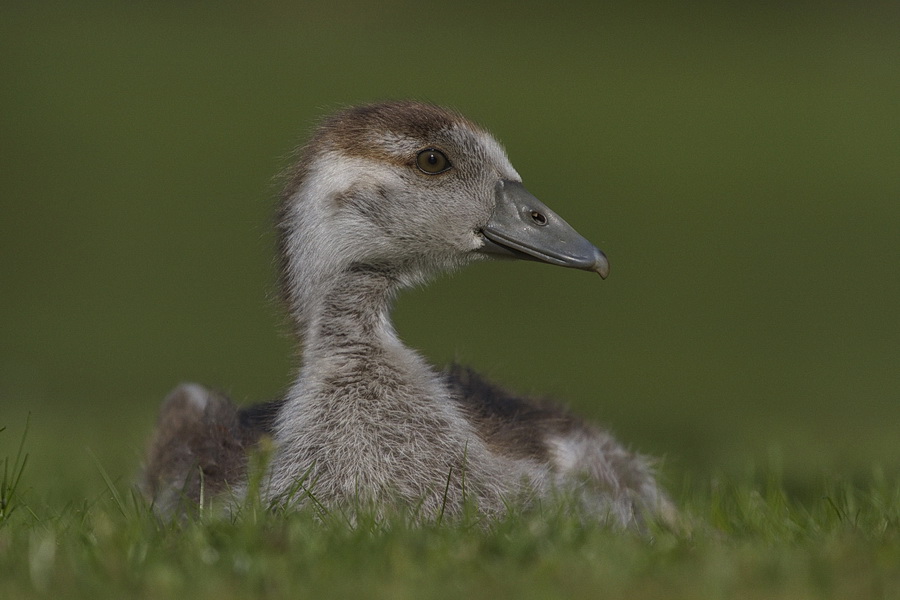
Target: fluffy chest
(372, 426)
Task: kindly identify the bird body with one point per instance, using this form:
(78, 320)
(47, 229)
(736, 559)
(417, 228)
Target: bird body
(384, 197)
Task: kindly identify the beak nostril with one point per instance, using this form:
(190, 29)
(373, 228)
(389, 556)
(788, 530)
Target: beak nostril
(538, 218)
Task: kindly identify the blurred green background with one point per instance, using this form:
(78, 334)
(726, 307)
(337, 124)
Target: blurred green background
(738, 162)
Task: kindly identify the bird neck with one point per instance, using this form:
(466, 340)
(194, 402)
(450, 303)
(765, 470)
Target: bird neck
(351, 318)
(352, 357)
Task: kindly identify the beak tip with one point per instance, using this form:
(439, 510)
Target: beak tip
(601, 264)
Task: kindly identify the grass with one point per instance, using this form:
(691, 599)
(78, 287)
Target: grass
(748, 540)
(12, 476)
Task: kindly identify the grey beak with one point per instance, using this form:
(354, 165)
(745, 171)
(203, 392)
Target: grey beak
(523, 227)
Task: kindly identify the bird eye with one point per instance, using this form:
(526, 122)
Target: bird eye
(432, 161)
